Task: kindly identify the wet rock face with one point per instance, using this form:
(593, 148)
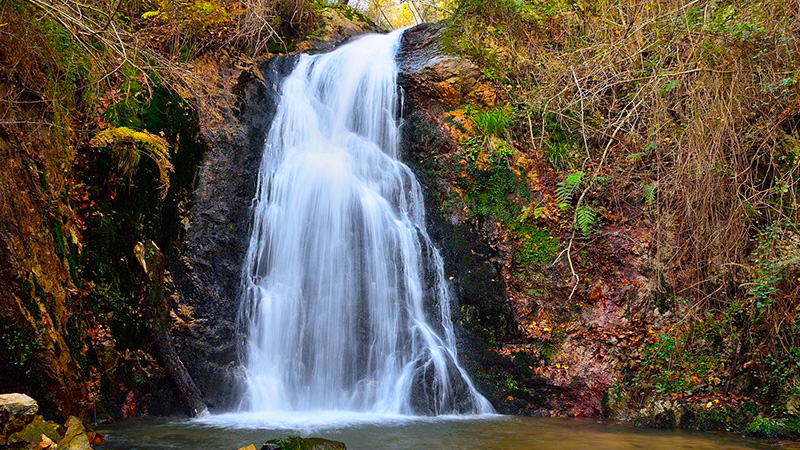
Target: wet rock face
(427, 77)
(428, 73)
(209, 270)
(432, 81)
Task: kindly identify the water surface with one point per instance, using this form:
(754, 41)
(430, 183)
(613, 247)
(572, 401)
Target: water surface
(453, 433)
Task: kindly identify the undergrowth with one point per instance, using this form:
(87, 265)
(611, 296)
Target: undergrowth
(686, 113)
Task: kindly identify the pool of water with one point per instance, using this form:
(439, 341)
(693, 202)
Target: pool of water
(230, 432)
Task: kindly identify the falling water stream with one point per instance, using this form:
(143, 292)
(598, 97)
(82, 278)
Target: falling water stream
(345, 306)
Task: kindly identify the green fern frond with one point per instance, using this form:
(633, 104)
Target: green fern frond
(649, 193)
(567, 188)
(586, 218)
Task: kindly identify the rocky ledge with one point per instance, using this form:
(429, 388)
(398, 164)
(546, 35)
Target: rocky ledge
(21, 428)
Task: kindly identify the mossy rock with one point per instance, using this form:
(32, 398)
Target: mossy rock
(763, 427)
(729, 418)
(660, 414)
(33, 432)
(76, 437)
(298, 443)
(772, 428)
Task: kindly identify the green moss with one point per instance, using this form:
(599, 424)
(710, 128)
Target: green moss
(546, 352)
(76, 337)
(764, 428)
(493, 190)
(58, 239)
(70, 76)
(673, 368)
(73, 263)
(127, 111)
(537, 247)
(774, 428)
(345, 10)
(726, 418)
(31, 294)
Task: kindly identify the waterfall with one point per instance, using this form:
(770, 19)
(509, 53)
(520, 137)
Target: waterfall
(345, 305)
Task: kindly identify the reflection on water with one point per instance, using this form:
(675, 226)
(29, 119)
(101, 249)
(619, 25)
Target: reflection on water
(494, 433)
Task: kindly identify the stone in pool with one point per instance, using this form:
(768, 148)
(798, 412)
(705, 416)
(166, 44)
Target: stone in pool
(298, 443)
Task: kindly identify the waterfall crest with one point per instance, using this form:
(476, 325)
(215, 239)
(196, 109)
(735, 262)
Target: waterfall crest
(345, 303)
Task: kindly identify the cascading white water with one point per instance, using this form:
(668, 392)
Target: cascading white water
(345, 303)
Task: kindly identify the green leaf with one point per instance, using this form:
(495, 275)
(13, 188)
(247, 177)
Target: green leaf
(567, 188)
(649, 193)
(586, 218)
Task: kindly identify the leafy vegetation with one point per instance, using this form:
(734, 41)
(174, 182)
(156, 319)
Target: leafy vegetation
(677, 119)
(494, 122)
(569, 187)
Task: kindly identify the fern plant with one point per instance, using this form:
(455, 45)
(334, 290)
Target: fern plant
(568, 187)
(586, 218)
(649, 193)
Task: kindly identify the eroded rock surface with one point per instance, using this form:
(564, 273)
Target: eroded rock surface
(16, 410)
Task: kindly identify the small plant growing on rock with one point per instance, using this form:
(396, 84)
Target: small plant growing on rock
(495, 121)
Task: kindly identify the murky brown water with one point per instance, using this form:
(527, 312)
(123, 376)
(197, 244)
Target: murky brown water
(496, 433)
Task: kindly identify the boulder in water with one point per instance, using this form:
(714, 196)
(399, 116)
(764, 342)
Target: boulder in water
(16, 411)
(76, 437)
(298, 443)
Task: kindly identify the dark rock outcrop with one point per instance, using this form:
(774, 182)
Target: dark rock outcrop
(216, 236)
(428, 77)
